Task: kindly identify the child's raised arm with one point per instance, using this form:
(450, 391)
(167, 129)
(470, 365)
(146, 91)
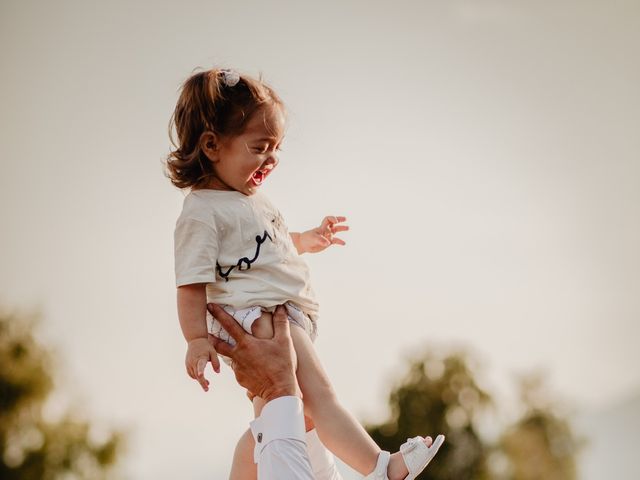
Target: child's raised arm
(319, 238)
(192, 311)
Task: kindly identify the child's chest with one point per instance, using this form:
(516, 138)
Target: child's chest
(252, 234)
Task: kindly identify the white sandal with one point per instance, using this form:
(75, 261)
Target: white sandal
(380, 472)
(416, 456)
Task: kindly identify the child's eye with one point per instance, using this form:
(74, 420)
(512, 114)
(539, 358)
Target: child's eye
(265, 149)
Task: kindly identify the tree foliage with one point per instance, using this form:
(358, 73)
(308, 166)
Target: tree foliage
(32, 446)
(441, 394)
(541, 443)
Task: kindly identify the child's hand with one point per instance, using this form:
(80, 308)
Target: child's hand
(199, 352)
(317, 239)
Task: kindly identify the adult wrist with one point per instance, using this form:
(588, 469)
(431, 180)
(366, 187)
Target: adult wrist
(282, 390)
(280, 419)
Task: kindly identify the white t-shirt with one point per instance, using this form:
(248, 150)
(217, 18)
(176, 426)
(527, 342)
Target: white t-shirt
(240, 247)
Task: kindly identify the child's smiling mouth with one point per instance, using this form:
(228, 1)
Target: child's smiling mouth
(260, 175)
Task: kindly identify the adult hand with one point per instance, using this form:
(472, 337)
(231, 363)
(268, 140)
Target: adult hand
(265, 367)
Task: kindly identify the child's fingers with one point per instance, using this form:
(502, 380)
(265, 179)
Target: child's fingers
(335, 219)
(190, 371)
(340, 228)
(202, 362)
(189, 366)
(204, 383)
(330, 223)
(327, 222)
(324, 241)
(337, 241)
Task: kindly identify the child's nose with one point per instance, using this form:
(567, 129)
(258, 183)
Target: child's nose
(272, 160)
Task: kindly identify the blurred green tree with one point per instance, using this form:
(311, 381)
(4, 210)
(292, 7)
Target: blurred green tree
(440, 393)
(32, 447)
(541, 443)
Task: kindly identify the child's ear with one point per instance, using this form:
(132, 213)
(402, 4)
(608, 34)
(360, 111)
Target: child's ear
(209, 145)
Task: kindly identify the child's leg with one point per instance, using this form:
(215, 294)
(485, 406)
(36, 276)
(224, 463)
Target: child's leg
(322, 462)
(337, 428)
(243, 467)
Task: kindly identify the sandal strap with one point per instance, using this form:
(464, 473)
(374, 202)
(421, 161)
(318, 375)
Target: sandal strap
(380, 472)
(413, 453)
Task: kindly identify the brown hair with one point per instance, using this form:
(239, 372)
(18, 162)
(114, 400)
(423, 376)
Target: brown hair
(209, 103)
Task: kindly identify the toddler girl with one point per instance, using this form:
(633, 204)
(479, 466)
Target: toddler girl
(232, 248)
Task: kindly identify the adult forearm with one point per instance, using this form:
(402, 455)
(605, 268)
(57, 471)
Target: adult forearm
(285, 460)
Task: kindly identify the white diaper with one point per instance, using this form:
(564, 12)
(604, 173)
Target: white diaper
(246, 316)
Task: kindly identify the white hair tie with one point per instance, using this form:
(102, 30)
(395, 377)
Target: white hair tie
(229, 77)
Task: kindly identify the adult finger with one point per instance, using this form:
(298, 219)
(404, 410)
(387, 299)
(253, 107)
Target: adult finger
(280, 323)
(223, 348)
(215, 363)
(214, 341)
(227, 321)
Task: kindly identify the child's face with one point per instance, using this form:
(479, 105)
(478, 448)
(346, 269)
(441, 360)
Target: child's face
(243, 162)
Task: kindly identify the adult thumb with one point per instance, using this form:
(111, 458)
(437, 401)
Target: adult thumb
(280, 323)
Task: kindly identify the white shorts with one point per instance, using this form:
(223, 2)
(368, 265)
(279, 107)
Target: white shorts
(246, 316)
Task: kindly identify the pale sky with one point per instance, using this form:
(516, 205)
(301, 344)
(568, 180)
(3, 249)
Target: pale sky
(485, 152)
